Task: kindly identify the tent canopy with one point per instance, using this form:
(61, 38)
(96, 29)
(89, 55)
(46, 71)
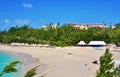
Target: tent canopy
(81, 43)
(117, 62)
(97, 43)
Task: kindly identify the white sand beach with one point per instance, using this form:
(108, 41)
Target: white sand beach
(64, 62)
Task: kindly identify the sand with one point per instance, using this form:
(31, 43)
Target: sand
(65, 62)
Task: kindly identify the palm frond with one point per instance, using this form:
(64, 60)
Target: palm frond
(31, 72)
(10, 67)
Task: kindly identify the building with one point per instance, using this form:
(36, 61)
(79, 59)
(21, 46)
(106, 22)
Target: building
(51, 26)
(86, 26)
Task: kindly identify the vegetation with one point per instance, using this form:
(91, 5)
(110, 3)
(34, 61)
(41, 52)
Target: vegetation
(106, 65)
(64, 35)
(31, 72)
(9, 68)
(106, 68)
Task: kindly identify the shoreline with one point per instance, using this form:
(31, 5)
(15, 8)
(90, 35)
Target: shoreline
(27, 62)
(65, 62)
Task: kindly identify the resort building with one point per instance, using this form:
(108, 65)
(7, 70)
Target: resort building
(86, 26)
(54, 26)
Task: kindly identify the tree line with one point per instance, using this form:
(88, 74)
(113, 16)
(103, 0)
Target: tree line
(64, 35)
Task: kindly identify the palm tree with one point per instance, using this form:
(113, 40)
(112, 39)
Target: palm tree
(31, 72)
(9, 68)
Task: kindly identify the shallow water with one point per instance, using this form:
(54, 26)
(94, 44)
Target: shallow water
(6, 59)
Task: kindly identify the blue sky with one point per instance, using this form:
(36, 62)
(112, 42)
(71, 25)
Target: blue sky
(41, 12)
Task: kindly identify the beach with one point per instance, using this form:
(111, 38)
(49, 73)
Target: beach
(64, 62)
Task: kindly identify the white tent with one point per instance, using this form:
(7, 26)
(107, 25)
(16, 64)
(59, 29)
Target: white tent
(81, 43)
(117, 62)
(97, 43)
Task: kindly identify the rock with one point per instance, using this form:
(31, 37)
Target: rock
(95, 62)
(69, 53)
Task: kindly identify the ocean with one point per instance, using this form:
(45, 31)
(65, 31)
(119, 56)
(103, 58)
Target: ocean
(6, 59)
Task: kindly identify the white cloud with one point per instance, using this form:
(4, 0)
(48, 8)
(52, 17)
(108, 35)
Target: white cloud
(6, 21)
(27, 5)
(17, 21)
(20, 21)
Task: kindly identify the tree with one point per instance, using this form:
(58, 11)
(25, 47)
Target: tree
(9, 68)
(66, 34)
(107, 65)
(118, 26)
(25, 27)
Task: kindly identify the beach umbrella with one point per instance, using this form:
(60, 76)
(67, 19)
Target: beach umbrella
(81, 43)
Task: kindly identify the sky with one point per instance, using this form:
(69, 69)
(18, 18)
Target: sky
(37, 13)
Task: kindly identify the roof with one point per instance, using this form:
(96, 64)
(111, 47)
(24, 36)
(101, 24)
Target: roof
(81, 43)
(101, 25)
(97, 43)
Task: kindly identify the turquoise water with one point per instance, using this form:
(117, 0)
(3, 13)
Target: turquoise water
(6, 59)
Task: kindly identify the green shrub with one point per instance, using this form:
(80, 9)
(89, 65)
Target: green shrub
(9, 68)
(107, 65)
(60, 43)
